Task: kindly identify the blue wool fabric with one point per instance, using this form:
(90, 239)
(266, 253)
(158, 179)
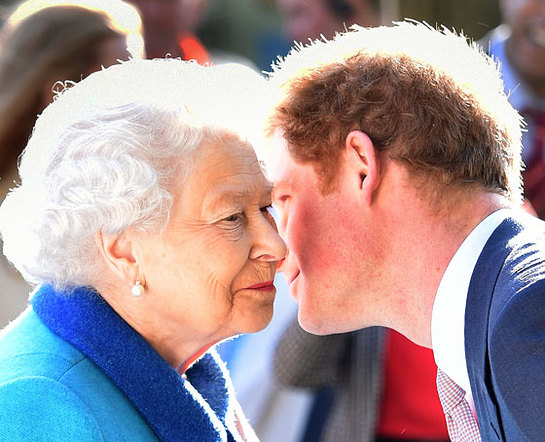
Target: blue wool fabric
(72, 369)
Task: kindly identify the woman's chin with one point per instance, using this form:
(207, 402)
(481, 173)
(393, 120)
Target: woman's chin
(258, 321)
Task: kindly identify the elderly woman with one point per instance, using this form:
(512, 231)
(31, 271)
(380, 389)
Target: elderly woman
(143, 219)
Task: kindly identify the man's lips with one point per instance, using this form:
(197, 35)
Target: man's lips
(266, 285)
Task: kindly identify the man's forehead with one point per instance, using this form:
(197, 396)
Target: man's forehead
(278, 158)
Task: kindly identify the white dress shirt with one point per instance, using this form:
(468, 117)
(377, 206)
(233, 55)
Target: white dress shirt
(448, 314)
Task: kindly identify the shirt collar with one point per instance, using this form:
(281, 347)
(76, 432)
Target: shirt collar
(448, 314)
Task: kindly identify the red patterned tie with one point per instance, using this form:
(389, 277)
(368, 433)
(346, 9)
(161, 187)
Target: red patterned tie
(534, 174)
(462, 425)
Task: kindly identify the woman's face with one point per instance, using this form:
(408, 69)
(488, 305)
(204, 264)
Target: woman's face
(210, 272)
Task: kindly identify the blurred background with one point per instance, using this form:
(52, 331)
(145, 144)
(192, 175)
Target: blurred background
(253, 28)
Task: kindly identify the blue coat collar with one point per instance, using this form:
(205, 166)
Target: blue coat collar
(175, 408)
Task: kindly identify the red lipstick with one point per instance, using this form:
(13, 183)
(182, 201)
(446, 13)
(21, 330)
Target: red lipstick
(266, 285)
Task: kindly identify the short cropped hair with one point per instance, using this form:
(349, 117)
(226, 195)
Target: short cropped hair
(427, 98)
(107, 154)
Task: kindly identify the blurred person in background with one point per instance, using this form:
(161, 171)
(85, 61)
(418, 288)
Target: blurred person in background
(519, 45)
(365, 381)
(170, 31)
(168, 28)
(143, 217)
(310, 19)
(371, 384)
(43, 42)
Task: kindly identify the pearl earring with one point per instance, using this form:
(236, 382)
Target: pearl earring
(137, 289)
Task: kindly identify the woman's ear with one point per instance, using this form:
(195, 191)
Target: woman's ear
(364, 162)
(118, 251)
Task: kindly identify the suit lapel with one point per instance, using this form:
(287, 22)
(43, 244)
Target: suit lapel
(479, 299)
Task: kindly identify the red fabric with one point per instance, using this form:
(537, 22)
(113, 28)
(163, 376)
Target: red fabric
(193, 49)
(534, 174)
(410, 406)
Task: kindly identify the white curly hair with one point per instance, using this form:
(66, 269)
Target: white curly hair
(104, 156)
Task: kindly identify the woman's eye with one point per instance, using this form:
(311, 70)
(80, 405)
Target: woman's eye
(236, 217)
(269, 213)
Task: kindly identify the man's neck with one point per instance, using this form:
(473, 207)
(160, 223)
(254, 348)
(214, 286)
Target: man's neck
(424, 248)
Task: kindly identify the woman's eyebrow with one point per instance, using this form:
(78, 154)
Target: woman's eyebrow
(226, 195)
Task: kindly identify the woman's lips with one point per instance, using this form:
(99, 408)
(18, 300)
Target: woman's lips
(266, 285)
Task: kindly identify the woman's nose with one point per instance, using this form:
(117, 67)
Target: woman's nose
(280, 267)
(267, 243)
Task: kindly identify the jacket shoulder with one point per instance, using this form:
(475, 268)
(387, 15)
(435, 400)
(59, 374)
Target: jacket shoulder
(517, 359)
(39, 408)
(35, 363)
(516, 337)
(29, 348)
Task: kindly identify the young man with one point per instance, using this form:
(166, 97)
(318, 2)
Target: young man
(356, 368)
(395, 157)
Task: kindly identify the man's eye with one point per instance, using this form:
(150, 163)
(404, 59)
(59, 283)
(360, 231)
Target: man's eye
(281, 198)
(267, 209)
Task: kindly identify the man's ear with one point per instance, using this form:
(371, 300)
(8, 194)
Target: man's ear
(364, 162)
(118, 251)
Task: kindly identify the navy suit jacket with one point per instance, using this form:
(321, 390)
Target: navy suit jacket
(505, 332)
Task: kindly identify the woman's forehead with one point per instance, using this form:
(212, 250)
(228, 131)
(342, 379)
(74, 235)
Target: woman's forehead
(226, 175)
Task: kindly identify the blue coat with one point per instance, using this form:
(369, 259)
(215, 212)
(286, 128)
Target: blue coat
(505, 332)
(72, 369)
